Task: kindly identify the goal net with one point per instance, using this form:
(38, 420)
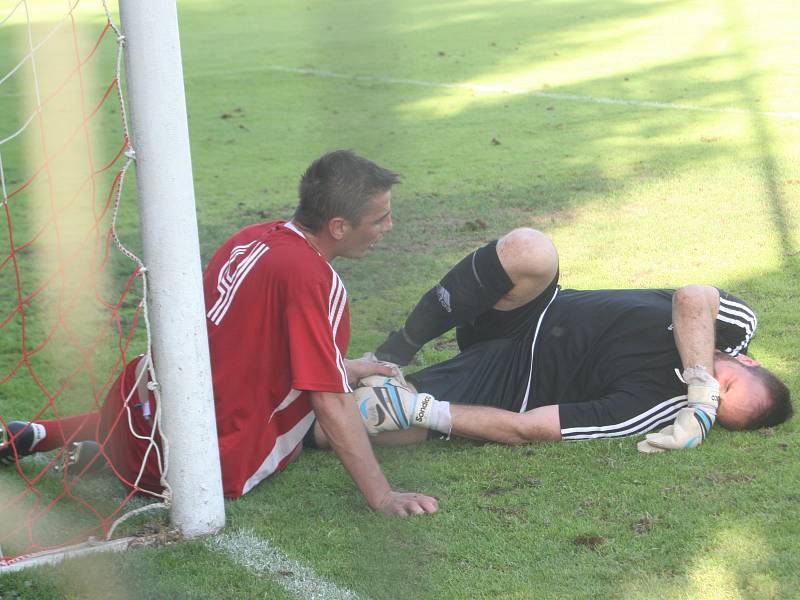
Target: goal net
(72, 288)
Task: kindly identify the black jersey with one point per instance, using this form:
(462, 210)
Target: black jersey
(607, 358)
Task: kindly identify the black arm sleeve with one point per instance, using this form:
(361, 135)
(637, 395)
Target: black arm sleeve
(638, 406)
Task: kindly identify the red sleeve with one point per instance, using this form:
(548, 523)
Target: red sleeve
(318, 328)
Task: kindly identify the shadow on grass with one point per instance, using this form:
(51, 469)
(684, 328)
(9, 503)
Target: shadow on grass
(552, 155)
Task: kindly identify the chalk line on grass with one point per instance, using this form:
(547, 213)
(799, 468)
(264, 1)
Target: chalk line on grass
(258, 555)
(521, 91)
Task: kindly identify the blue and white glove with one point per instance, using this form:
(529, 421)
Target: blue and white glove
(693, 422)
(391, 404)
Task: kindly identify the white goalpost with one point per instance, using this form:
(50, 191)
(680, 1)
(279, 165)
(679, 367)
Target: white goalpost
(170, 300)
(160, 138)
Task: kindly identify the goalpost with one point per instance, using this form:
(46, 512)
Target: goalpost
(170, 274)
(172, 253)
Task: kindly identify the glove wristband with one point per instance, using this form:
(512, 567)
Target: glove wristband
(703, 396)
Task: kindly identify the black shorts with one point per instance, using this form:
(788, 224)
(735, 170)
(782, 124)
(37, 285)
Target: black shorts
(494, 364)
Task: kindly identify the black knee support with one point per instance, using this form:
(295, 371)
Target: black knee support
(470, 288)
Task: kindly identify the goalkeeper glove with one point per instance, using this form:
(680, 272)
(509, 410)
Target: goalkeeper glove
(386, 404)
(693, 423)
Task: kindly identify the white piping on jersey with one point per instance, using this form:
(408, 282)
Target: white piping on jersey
(733, 321)
(747, 337)
(654, 425)
(737, 309)
(730, 308)
(646, 421)
(228, 284)
(292, 227)
(285, 403)
(533, 346)
(337, 289)
(337, 301)
(648, 413)
(284, 446)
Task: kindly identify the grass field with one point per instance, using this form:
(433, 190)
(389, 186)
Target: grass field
(656, 142)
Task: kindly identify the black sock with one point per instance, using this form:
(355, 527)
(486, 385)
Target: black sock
(26, 436)
(469, 289)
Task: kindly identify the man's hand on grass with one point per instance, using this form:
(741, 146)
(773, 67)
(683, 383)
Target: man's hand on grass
(403, 504)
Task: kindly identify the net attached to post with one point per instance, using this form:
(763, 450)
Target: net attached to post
(72, 310)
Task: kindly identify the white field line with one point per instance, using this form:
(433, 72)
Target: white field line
(521, 91)
(258, 555)
(480, 88)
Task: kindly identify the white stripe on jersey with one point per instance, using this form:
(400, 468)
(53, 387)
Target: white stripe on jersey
(746, 325)
(228, 283)
(648, 420)
(335, 297)
(654, 425)
(338, 317)
(285, 403)
(337, 302)
(741, 315)
(533, 346)
(739, 310)
(284, 446)
(292, 227)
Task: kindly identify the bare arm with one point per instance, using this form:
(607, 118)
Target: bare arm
(481, 423)
(694, 309)
(505, 426)
(339, 419)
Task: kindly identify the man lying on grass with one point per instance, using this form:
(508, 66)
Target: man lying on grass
(540, 363)
(278, 328)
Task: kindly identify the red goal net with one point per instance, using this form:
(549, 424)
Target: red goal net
(72, 311)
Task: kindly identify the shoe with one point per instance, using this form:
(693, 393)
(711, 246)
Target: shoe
(21, 435)
(78, 457)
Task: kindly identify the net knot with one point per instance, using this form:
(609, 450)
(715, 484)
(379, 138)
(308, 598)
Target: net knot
(153, 385)
(130, 153)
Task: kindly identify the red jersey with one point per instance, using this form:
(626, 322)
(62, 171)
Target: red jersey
(278, 327)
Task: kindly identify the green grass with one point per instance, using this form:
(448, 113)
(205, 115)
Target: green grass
(634, 196)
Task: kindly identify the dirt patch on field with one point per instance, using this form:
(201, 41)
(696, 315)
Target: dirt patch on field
(522, 483)
(590, 541)
(725, 478)
(644, 525)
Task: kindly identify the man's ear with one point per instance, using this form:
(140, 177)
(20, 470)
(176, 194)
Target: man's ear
(746, 360)
(338, 227)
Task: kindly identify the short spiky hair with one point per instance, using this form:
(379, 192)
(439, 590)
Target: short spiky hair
(779, 409)
(340, 184)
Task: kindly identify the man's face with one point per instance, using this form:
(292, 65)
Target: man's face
(378, 221)
(742, 395)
